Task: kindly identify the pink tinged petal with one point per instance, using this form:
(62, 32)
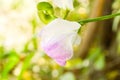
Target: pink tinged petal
(59, 48)
(61, 62)
(57, 39)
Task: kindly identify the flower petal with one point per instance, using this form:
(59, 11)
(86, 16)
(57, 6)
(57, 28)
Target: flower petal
(61, 62)
(77, 40)
(69, 4)
(57, 27)
(59, 3)
(65, 4)
(60, 48)
(57, 39)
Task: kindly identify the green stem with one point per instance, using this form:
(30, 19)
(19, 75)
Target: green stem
(66, 14)
(82, 22)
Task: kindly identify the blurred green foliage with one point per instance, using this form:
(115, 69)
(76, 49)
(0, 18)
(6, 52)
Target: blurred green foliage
(31, 63)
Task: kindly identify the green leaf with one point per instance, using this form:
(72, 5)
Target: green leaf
(100, 62)
(13, 59)
(25, 65)
(45, 12)
(1, 52)
(45, 6)
(94, 53)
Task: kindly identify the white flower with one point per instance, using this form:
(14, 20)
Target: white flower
(84, 3)
(65, 4)
(58, 38)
